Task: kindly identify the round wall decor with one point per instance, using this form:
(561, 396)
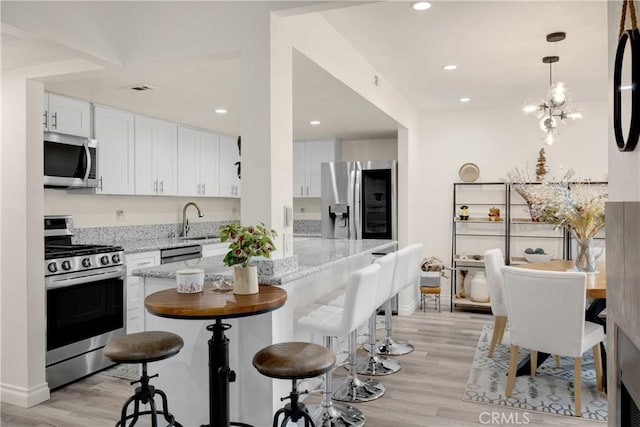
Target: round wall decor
(629, 143)
(469, 172)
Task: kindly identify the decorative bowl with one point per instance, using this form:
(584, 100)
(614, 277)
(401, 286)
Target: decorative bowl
(537, 257)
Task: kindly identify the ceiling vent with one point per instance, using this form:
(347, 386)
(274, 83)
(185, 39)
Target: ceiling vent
(139, 87)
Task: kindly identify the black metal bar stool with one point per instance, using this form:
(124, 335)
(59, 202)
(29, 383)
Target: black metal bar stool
(144, 347)
(294, 361)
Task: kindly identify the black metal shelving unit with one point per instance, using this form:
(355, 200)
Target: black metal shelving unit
(507, 233)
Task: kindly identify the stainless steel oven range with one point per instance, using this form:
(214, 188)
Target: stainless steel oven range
(85, 302)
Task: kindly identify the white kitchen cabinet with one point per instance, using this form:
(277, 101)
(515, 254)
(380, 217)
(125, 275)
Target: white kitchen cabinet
(135, 288)
(198, 169)
(229, 165)
(114, 130)
(215, 249)
(307, 157)
(156, 153)
(66, 115)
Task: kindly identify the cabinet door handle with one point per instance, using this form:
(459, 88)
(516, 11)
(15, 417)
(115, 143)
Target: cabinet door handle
(155, 186)
(198, 189)
(45, 119)
(301, 191)
(162, 186)
(54, 121)
(100, 183)
(307, 190)
(203, 189)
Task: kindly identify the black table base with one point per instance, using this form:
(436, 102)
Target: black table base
(592, 315)
(220, 375)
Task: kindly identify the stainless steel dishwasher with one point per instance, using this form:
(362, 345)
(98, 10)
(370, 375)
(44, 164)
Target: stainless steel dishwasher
(181, 253)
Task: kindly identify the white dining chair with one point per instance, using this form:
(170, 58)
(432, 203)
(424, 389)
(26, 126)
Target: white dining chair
(546, 313)
(493, 263)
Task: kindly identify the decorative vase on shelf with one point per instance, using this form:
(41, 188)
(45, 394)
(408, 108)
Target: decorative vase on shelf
(586, 256)
(479, 288)
(245, 280)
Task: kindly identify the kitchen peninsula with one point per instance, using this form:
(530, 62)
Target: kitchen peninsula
(318, 267)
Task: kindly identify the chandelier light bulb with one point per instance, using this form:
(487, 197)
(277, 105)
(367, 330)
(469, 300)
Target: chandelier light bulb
(548, 124)
(570, 116)
(549, 138)
(534, 107)
(558, 94)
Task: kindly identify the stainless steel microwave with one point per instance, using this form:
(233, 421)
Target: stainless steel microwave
(70, 161)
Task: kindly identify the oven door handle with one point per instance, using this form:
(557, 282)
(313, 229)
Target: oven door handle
(63, 283)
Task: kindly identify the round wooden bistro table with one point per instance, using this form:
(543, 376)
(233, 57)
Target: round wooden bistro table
(596, 289)
(210, 304)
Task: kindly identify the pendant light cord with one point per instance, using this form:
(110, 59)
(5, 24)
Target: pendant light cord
(632, 13)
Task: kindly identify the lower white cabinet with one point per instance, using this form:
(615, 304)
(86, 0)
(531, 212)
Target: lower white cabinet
(135, 288)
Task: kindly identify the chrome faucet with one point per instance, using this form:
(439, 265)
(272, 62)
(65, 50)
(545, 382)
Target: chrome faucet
(185, 221)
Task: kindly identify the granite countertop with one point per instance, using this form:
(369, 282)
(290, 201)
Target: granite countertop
(134, 246)
(313, 255)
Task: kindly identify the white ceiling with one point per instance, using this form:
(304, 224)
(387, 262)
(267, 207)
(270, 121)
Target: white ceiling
(497, 46)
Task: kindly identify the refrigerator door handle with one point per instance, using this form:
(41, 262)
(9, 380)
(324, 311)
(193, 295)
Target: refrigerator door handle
(357, 211)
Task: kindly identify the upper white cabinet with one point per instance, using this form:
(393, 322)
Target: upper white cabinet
(198, 171)
(66, 115)
(229, 167)
(156, 152)
(114, 130)
(307, 157)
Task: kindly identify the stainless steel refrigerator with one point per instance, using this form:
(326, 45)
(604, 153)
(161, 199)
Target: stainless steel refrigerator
(359, 200)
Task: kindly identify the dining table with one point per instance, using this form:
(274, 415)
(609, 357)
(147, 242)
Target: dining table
(215, 305)
(596, 290)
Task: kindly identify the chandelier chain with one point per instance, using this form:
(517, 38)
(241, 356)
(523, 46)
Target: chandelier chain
(632, 12)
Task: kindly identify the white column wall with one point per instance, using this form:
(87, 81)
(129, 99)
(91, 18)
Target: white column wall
(314, 37)
(22, 362)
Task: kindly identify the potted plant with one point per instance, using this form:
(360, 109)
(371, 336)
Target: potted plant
(246, 242)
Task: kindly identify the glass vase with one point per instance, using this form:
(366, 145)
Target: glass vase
(586, 258)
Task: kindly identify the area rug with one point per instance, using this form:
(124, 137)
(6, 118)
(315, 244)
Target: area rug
(551, 391)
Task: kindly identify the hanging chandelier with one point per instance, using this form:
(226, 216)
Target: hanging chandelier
(554, 109)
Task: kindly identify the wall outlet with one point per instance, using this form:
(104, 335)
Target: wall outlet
(120, 215)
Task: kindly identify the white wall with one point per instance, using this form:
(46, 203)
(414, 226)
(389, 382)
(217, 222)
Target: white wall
(370, 149)
(497, 140)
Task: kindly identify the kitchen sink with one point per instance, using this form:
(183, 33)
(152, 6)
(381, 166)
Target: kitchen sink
(208, 236)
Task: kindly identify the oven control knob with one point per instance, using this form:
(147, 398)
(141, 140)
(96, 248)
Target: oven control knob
(86, 262)
(52, 267)
(116, 258)
(104, 260)
(66, 265)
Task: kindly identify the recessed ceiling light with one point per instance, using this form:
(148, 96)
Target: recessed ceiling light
(221, 111)
(421, 5)
(450, 67)
(465, 99)
(314, 122)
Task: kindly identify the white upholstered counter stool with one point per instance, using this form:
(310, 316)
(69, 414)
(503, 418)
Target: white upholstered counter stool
(406, 273)
(374, 364)
(330, 321)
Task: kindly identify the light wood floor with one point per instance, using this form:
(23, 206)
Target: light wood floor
(426, 392)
